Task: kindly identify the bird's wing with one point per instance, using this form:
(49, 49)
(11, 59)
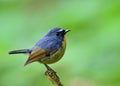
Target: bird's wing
(36, 54)
(40, 53)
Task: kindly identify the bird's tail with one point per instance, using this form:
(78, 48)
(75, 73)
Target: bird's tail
(22, 51)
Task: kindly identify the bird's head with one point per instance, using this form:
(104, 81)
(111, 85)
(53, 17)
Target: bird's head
(57, 32)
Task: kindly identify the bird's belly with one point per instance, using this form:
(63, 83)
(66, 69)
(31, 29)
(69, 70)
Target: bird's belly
(54, 57)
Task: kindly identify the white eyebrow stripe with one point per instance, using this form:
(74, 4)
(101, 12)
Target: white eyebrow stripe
(61, 30)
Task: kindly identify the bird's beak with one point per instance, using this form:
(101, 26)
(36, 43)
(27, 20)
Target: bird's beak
(67, 31)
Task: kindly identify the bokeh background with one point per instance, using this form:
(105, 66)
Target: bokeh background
(92, 57)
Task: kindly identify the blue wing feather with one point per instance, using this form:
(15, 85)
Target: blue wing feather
(49, 43)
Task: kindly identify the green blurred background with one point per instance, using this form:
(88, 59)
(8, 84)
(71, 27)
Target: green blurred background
(92, 57)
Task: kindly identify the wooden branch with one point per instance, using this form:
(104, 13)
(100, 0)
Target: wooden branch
(52, 76)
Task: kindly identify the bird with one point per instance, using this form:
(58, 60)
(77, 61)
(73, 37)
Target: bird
(49, 49)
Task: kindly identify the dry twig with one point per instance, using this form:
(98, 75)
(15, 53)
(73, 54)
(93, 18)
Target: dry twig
(52, 76)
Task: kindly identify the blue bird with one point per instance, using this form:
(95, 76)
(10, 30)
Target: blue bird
(48, 49)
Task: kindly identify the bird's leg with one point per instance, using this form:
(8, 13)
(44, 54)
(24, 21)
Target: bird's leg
(48, 68)
(51, 74)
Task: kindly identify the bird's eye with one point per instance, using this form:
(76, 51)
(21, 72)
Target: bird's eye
(58, 33)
